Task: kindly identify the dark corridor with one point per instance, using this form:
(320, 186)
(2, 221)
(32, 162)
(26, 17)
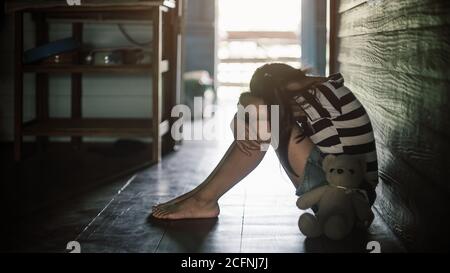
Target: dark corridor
(86, 147)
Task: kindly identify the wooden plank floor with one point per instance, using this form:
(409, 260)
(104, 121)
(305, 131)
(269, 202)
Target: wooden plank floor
(259, 215)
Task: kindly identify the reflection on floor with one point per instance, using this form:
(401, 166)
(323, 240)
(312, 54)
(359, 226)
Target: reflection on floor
(258, 215)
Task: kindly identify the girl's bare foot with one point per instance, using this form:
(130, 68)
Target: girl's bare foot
(173, 201)
(191, 207)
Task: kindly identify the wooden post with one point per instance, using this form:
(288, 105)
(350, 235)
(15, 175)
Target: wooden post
(18, 84)
(314, 35)
(172, 78)
(42, 113)
(156, 82)
(332, 58)
(179, 51)
(76, 81)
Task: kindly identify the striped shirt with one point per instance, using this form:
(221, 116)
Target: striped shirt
(337, 123)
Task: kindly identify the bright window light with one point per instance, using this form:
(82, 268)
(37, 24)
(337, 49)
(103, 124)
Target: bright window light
(254, 32)
(262, 15)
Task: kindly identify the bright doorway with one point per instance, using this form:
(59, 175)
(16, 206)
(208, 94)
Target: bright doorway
(252, 33)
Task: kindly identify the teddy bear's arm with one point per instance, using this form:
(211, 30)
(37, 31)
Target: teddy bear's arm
(311, 198)
(362, 209)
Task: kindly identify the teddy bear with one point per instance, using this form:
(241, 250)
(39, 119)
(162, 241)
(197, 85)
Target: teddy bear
(340, 204)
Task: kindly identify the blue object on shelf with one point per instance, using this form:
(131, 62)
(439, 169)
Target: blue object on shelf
(50, 49)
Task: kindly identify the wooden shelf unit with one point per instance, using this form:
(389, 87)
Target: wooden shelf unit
(96, 127)
(157, 13)
(126, 69)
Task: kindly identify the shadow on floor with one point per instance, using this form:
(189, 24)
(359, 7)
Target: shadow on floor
(188, 235)
(356, 242)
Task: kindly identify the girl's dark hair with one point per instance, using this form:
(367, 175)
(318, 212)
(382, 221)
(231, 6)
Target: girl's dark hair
(268, 83)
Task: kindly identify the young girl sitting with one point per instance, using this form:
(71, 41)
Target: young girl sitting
(317, 116)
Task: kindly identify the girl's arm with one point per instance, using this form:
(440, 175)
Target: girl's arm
(301, 84)
(244, 143)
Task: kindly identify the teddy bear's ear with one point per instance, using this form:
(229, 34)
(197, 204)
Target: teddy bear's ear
(327, 161)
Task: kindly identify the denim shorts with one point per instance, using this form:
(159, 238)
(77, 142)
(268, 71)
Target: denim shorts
(314, 176)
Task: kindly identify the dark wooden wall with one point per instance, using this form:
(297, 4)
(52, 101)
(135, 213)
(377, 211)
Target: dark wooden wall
(395, 55)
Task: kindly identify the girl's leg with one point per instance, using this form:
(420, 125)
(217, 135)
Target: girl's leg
(234, 166)
(202, 202)
(298, 153)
